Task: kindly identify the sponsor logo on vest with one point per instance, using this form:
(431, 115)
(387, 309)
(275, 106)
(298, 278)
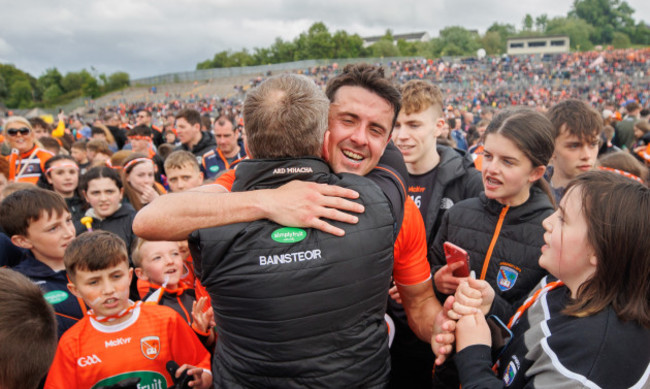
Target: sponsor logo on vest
(56, 296)
(116, 342)
(88, 361)
(214, 168)
(290, 257)
(288, 235)
(507, 276)
(148, 380)
(293, 170)
(150, 346)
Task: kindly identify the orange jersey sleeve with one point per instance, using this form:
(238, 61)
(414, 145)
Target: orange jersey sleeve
(92, 354)
(411, 266)
(226, 179)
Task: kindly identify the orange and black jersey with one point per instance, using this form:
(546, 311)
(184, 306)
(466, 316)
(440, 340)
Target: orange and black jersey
(28, 166)
(93, 354)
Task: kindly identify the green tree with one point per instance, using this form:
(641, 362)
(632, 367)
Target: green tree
(10, 74)
(261, 56)
(74, 81)
(90, 88)
(319, 43)
(347, 46)
(492, 43)
(606, 16)
(20, 94)
(384, 48)
(504, 30)
(641, 34)
(577, 29)
(620, 40)
(528, 22)
(4, 89)
(240, 58)
(49, 78)
(118, 80)
(540, 22)
(52, 94)
(282, 51)
(407, 49)
(459, 41)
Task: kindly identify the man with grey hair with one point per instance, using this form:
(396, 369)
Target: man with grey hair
(298, 307)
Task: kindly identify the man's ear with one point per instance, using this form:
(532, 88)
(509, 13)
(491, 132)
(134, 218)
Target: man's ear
(440, 123)
(22, 241)
(326, 139)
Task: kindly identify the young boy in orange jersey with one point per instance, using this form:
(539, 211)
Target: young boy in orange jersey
(120, 339)
(160, 265)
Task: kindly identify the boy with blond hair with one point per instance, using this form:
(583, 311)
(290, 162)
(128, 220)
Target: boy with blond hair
(182, 171)
(439, 177)
(170, 283)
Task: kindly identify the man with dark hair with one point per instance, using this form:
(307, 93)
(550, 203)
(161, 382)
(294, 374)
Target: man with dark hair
(360, 121)
(229, 150)
(143, 117)
(188, 128)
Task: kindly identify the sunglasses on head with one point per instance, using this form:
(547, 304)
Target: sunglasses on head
(15, 131)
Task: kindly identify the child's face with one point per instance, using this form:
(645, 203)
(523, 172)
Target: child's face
(48, 236)
(183, 179)
(161, 263)
(104, 196)
(141, 176)
(507, 171)
(170, 137)
(105, 291)
(139, 145)
(64, 177)
(567, 253)
(573, 156)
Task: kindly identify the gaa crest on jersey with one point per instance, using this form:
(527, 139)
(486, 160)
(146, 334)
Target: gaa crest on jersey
(510, 373)
(507, 277)
(150, 346)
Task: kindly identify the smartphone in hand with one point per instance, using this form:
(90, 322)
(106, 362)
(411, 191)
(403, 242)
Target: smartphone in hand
(455, 254)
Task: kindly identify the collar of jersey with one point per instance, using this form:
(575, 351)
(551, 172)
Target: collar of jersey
(108, 328)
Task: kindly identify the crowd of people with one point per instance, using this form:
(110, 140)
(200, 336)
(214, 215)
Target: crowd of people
(297, 238)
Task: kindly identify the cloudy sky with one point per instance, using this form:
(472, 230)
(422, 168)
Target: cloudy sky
(151, 37)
